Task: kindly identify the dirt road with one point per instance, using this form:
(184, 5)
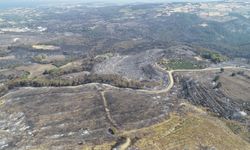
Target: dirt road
(171, 79)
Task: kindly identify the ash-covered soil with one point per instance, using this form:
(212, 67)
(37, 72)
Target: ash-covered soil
(53, 116)
(69, 117)
(137, 67)
(70, 45)
(225, 93)
(133, 110)
(142, 66)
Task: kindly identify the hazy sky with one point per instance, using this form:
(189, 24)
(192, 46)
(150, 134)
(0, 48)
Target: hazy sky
(31, 3)
(102, 0)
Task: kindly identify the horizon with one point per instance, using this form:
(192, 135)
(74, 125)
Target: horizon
(5, 4)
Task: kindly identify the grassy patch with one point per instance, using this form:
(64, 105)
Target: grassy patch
(174, 64)
(215, 57)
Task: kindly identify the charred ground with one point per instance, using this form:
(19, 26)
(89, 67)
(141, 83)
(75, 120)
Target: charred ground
(144, 76)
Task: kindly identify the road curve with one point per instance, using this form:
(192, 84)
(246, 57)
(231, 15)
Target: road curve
(166, 89)
(171, 79)
(125, 145)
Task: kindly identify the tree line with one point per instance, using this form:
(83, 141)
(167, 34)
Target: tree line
(111, 79)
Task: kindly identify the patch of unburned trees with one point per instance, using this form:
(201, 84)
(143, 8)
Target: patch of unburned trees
(114, 80)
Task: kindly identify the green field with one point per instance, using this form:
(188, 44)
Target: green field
(175, 64)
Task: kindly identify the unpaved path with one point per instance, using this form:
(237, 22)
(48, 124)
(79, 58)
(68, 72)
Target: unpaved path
(107, 111)
(125, 145)
(171, 79)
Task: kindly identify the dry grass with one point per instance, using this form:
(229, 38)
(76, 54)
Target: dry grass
(126, 44)
(189, 132)
(105, 146)
(45, 47)
(8, 57)
(239, 129)
(236, 87)
(72, 65)
(1, 102)
(198, 58)
(193, 130)
(54, 58)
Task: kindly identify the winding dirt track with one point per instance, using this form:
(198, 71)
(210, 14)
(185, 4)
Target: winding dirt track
(171, 79)
(126, 144)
